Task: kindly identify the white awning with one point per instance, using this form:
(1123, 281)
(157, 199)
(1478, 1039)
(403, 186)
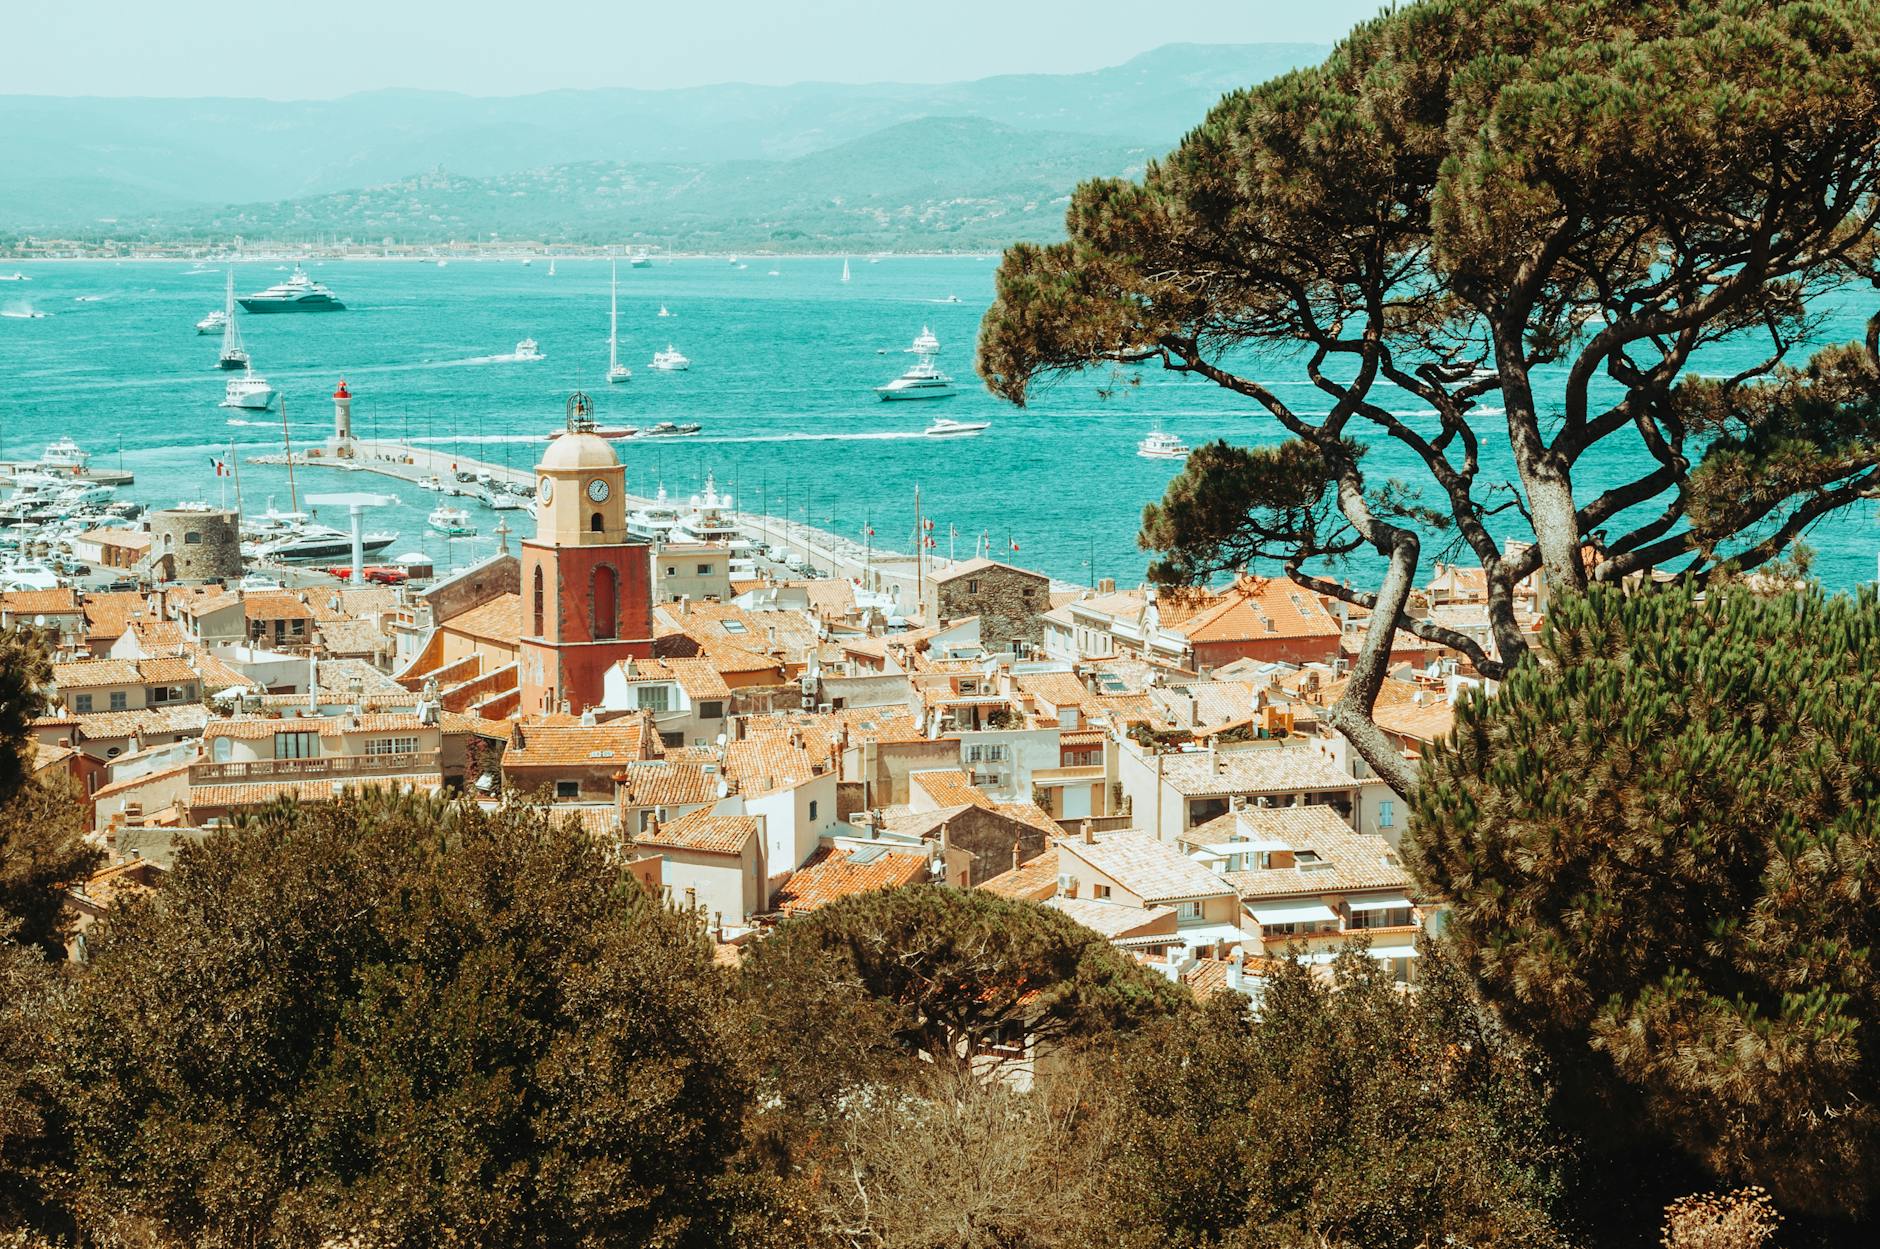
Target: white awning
(1249, 846)
(1393, 951)
(1301, 912)
(1382, 902)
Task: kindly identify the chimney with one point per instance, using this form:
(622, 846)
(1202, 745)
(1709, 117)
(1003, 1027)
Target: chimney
(1236, 971)
(1015, 854)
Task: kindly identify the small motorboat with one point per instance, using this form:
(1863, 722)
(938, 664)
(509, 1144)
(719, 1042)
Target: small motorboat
(527, 349)
(452, 522)
(1161, 446)
(670, 360)
(943, 428)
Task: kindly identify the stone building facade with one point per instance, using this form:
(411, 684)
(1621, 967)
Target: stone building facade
(195, 544)
(1010, 602)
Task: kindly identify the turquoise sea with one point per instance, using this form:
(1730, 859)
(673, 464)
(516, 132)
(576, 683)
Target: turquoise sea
(782, 378)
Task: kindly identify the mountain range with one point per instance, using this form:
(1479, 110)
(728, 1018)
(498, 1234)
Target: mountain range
(955, 165)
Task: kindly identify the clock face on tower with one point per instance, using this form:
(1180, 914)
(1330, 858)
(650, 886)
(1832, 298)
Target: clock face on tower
(548, 489)
(597, 490)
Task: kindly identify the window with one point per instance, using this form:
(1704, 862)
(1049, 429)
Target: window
(972, 585)
(975, 754)
(119, 700)
(1386, 813)
(296, 745)
(711, 711)
(733, 626)
(1394, 917)
(81, 703)
(1100, 891)
(812, 809)
(567, 789)
(605, 604)
(671, 571)
(594, 523)
(538, 600)
(1187, 910)
(704, 570)
(655, 697)
(192, 539)
(392, 746)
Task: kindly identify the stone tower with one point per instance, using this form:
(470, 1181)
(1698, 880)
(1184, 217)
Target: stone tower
(587, 598)
(195, 544)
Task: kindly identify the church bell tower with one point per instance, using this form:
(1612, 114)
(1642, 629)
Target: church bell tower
(587, 599)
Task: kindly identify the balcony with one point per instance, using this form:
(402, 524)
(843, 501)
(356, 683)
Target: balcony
(325, 767)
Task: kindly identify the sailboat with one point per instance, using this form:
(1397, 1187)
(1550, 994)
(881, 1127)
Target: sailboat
(551, 268)
(234, 355)
(845, 268)
(616, 371)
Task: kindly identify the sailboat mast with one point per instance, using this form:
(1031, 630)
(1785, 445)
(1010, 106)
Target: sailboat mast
(231, 337)
(613, 324)
(287, 442)
(235, 466)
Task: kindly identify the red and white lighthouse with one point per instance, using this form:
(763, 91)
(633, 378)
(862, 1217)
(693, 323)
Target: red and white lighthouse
(342, 414)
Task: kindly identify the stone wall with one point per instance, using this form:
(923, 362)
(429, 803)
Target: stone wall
(1009, 602)
(187, 544)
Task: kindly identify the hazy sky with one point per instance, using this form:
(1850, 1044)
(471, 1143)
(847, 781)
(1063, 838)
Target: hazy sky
(298, 49)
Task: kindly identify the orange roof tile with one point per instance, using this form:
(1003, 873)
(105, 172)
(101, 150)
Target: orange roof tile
(704, 832)
(832, 874)
(540, 744)
(1033, 880)
(499, 620)
(58, 601)
(950, 787)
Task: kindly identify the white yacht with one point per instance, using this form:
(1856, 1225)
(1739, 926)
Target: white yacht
(298, 293)
(234, 355)
(616, 371)
(315, 541)
(925, 343)
(250, 391)
(922, 381)
(528, 349)
(708, 517)
(669, 429)
(663, 312)
(27, 575)
(670, 360)
(655, 520)
(640, 260)
(943, 428)
(1161, 446)
(430, 482)
(452, 522)
(62, 455)
(213, 322)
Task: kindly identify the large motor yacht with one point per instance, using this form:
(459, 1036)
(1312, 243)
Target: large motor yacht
(299, 293)
(923, 381)
(655, 520)
(250, 391)
(708, 517)
(670, 360)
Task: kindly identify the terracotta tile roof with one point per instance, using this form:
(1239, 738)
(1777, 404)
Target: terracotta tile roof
(44, 757)
(971, 567)
(58, 601)
(153, 635)
(499, 620)
(697, 677)
(107, 615)
(769, 762)
(704, 832)
(275, 605)
(183, 719)
(1398, 711)
(1033, 880)
(1082, 737)
(831, 874)
(89, 673)
(1263, 769)
(1030, 813)
(141, 779)
(1348, 860)
(203, 601)
(950, 787)
(1260, 607)
(597, 819)
(670, 642)
(1110, 919)
(1152, 869)
(260, 793)
(1058, 689)
(663, 783)
(119, 883)
(250, 728)
(352, 637)
(545, 744)
(166, 671)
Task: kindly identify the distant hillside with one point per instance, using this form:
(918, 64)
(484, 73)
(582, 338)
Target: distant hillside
(69, 162)
(955, 183)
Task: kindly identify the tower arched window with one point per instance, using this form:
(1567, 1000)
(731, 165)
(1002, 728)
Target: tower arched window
(538, 601)
(594, 523)
(605, 608)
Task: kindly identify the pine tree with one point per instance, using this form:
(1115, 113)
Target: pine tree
(1661, 849)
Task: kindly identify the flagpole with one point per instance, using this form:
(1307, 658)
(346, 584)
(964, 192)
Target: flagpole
(235, 466)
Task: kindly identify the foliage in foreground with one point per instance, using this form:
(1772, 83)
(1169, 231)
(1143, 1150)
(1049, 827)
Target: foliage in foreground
(1662, 845)
(406, 1022)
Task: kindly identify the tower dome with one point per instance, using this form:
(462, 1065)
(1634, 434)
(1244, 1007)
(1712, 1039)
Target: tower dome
(579, 450)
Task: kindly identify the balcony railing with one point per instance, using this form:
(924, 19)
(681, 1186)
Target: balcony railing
(322, 767)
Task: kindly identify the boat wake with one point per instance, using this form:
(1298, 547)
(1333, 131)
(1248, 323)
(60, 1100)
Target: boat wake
(23, 312)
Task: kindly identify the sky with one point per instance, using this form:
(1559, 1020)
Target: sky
(316, 49)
